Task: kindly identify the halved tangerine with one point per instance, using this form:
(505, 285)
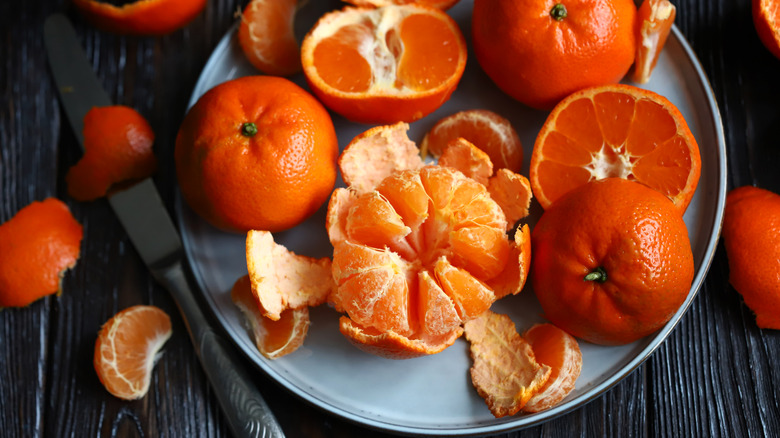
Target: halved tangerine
(384, 65)
(615, 131)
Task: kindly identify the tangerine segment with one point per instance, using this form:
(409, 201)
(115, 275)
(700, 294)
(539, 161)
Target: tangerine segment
(512, 279)
(471, 296)
(273, 339)
(615, 131)
(37, 246)
(117, 147)
(558, 350)
(655, 18)
(267, 39)
(505, 371)
(485, 129)
(462, 155)
(375, 154)
(512, 192)
(384, 65)
(127, 348)
(283, 280)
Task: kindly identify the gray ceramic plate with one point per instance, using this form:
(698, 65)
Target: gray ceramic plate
(433, 395)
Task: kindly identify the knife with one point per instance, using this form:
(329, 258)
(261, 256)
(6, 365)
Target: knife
(151, 230)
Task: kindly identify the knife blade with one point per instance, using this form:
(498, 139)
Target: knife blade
(149, 227)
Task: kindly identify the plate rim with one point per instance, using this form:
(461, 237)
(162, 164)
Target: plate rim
(525, 421)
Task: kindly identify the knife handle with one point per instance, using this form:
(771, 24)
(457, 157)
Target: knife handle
(247, 413)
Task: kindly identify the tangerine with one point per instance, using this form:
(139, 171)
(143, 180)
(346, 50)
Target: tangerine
(141, 17)
(256, 153)
(611, 261)
(266, 36)
(750, 232)
(384, 65)
(615, 131)
(540, 51)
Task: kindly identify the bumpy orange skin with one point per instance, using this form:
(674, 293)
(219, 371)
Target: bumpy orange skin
(539, 60)
(117, 147)
(37, 245)
(766, 18)
(270, 181)
(143, 17)
(637, 236)
(751, 233)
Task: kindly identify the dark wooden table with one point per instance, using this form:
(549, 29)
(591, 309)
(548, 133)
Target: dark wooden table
(716, 375)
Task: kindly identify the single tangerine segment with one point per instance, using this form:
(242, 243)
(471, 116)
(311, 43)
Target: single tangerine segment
(751, 234)
(273, 339)
(505, 371)
(655, 18)
(766, 19)
(117, 147)
(461, 154)
(267, 39)
(558, 350)
(281, 279)
(37, 246)
(127, 348)
(141, 17)
(485, 129)
(512, 280)
(384, 65)
(439, 4)
(615, 131)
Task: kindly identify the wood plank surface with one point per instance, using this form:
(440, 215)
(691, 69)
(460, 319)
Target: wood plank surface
(717, 375)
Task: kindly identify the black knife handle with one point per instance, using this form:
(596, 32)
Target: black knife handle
(247, 413)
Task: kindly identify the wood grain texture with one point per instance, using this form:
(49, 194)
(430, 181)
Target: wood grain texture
(716, 376)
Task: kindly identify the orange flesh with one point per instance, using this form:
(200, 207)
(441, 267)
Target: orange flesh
(340, 64)
(427, 59)
(614, 135)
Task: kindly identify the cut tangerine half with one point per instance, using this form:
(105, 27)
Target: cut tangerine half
(273, 339)
(384, 65)
(127, 348)
(655, 18)
(615, 131)
(485, 129)
(558, 350)
(439, 4)
(267, 39)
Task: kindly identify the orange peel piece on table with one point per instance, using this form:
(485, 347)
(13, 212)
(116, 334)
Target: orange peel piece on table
(117, 148)
(505, 372)
(273, 339)
(266, 36)
(281, 279)
(37, 246)
(142, 17)
(655, 19)
(561, 352)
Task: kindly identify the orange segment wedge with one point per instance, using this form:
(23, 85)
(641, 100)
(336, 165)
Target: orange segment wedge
(655, 18)
(281, 279)
(384, 65)
(487, 130)
(127, 348)
(273, 339)
(558, 350)
(505, 371)
(615, 131)
(461, 154)
(267, 39)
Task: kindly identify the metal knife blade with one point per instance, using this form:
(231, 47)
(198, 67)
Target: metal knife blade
(150, 228)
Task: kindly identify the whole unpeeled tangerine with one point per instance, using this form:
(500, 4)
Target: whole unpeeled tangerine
(751, 233)
(256, 153)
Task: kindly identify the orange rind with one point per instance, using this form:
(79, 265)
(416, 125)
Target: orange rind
(559, 350)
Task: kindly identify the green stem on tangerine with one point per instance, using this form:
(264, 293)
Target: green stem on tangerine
(558, 12)
(248, 129)
(598, 274)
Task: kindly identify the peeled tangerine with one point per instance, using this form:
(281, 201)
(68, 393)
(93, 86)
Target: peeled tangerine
(419, 250)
